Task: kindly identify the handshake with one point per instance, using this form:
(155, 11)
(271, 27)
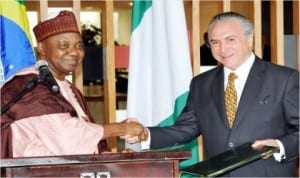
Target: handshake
(130, 130)
(135, 131)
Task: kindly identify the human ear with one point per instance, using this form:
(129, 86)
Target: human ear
(250, 40)
(41, 50)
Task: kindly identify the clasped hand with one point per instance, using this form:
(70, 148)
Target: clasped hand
(135, 132)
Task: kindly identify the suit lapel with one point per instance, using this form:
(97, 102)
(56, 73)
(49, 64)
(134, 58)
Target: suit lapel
(251, 89)
(218, 95)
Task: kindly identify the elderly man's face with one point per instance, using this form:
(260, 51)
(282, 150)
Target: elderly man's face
(64, 52)
(229, 45)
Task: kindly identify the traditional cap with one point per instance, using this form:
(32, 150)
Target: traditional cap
(65, 21)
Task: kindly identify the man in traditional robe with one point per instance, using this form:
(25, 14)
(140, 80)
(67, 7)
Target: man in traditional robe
(44, 123)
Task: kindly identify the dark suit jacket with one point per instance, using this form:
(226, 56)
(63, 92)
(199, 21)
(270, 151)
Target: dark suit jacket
(268, 108)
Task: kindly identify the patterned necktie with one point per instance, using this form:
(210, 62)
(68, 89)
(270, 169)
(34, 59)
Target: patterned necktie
(231, 99)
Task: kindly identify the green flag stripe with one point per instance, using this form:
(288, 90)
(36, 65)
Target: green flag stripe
(138, 10)
(179, 105)
(21, 2)
(193, 145)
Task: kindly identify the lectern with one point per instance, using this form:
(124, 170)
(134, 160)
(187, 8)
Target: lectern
(106, 165)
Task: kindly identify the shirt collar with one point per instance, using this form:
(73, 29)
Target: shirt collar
(242, 70)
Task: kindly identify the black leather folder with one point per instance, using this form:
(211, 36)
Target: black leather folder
(227, 161)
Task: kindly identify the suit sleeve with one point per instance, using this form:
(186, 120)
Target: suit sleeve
(291, 109)
(184, 130)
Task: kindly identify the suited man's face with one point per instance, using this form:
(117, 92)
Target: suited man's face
(229, 45)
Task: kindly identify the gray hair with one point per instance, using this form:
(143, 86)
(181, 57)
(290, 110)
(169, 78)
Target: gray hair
(245, 22)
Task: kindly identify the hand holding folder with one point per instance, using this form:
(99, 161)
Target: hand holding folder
(228, 160)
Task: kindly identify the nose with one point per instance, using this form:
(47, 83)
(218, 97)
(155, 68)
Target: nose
(73, 51)
(222, 47)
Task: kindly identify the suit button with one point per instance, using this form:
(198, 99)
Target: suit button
(230, 144)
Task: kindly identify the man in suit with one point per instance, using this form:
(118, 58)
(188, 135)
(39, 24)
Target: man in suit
(267, 110)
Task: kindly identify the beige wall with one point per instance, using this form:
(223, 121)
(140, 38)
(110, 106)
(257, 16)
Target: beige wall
(124, 26)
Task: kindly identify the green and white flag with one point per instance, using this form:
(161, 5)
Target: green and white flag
(159, 65)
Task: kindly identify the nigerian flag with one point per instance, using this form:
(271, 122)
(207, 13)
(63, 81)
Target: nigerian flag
(159, 65)
(16, 46)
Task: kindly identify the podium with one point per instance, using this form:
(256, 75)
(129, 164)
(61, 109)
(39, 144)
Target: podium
(106, 165)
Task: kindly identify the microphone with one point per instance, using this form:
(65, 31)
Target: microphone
(46, 76)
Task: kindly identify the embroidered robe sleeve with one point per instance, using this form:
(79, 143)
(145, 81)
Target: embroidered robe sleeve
(54, 134)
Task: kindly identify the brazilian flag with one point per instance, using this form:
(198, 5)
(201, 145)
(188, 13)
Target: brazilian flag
(16, 44)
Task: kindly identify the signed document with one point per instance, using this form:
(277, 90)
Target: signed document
(228, 160)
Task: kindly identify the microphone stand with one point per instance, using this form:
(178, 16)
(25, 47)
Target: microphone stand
(29, 86)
